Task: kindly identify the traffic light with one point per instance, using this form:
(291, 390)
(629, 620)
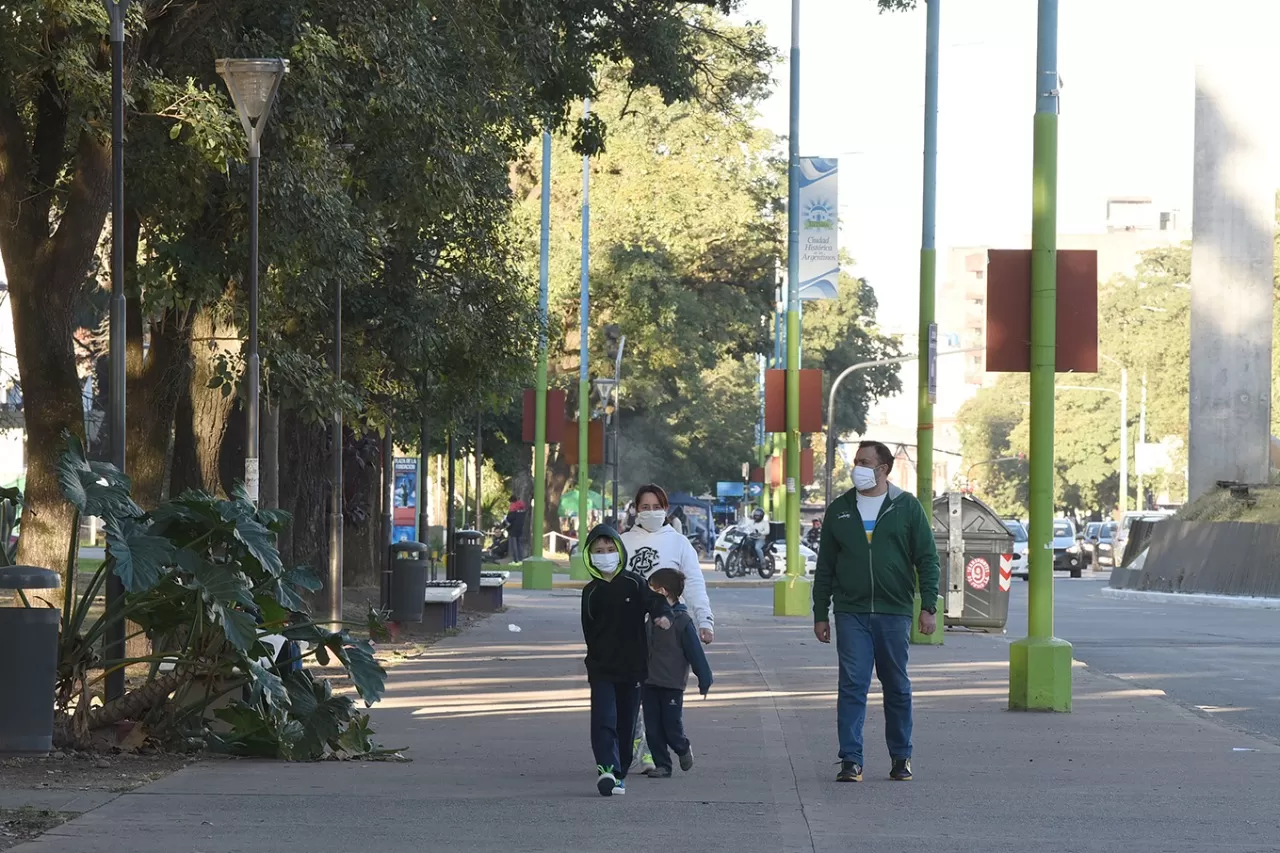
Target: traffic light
(612, 335)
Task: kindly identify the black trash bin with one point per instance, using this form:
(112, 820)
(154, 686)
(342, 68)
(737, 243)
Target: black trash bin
(466, 554)
(29, 668)
(410, 562)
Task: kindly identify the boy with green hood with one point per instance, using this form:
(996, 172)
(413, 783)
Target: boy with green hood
(614, 606)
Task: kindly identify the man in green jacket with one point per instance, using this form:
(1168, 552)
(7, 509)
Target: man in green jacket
(877, 544)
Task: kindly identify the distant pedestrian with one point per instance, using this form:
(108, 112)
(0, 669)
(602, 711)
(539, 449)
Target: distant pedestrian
(614, 606)
(517, 521)
(672, 654)
(876, 545)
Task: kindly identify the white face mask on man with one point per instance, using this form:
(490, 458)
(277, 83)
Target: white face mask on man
(651, 519)
(864, 478)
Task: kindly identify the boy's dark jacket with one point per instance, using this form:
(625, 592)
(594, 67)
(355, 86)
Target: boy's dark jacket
(673, 652)
(879, 576)
(613, 611)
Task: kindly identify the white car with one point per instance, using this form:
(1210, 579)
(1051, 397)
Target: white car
(1019, 533)
(730, 536)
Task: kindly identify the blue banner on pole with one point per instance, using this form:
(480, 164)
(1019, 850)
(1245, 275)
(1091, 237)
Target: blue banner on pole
(819, 228)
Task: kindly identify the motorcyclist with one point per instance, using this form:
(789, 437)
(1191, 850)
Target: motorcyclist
(814, 534)
(758, 530)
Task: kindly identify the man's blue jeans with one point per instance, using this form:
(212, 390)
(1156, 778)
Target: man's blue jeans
(864, 639)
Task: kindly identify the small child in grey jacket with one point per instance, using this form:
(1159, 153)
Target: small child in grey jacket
(672, 654)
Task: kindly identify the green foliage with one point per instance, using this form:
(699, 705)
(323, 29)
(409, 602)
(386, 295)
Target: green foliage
(205, 585)
(686, 239)
(1145, 326)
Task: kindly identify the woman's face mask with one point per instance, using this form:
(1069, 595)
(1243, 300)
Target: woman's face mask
(651, 519)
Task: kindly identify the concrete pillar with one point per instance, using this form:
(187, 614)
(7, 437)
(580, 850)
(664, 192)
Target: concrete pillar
(1233, 232)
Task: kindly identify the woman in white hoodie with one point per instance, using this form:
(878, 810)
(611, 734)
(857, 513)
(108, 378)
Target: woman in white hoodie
(654, 544)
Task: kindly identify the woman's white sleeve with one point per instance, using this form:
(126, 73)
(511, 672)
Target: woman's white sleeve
(695, 589)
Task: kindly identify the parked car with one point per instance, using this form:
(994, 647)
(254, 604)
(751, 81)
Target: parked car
(730, 536)
(1099, 536)
(1068, 555)
(1019, 533)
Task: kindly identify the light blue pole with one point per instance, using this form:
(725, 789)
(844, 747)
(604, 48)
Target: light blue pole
(928, 279)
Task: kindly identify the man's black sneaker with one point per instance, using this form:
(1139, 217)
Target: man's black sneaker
(686, 760)
(659, 773)
(850, 771)
(901, 771)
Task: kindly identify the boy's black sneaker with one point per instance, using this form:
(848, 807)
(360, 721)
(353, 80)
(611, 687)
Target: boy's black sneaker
(659, 773)
(901, 771)
(686, 760)
(850, 771)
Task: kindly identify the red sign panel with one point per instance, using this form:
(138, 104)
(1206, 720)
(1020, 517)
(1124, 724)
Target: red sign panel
(1009, 311)
(555, 416)
(775, 401)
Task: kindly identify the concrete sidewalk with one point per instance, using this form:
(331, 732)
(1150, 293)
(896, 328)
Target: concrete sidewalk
(496, 723)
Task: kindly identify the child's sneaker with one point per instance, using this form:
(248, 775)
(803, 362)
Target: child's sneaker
(686, 760)
(607, 782)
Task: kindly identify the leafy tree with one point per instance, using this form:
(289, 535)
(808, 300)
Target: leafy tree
(685, 242)
(385, 169)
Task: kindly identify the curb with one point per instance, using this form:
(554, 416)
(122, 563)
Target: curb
(711, 584)
(1238, 601)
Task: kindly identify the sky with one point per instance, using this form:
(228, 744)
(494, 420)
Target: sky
(1126, 126)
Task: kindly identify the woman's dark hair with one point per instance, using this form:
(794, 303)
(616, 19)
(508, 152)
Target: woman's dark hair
(671, 580)
(655, 490)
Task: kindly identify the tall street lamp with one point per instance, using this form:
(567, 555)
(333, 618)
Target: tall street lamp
(537, 572)
(253, 84)
(791, 599)
(115, 639)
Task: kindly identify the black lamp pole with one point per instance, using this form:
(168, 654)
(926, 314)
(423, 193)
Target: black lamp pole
(115, 639)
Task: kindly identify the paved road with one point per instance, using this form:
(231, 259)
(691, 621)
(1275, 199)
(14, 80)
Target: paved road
(496, 723)
(1219, 661)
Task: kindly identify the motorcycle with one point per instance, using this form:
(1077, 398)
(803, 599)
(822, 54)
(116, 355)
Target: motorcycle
(742, 559)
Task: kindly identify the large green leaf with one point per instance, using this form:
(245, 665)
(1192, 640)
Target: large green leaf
(139, 558)
(260, 542)
(369, 677)
(216, 581)
(240, 628)
(265, 684)
(94, 488)
(282, 587)
(357, 656)
(323, 716)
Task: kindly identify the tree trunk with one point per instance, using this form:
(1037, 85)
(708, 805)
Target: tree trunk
(270, 453)
(156, 384)
(362, 484)
(47, 272)
(558, 473)
(304, 491)
(203, 413)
